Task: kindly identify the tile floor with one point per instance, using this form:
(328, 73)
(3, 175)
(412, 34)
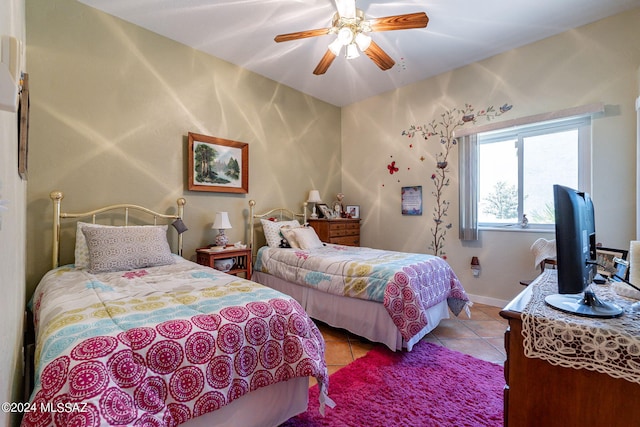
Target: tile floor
(481, 336)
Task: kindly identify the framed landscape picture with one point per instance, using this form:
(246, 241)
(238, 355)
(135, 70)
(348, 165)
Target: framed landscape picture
(218, 165)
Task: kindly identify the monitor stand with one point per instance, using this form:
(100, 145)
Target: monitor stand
(586, 304)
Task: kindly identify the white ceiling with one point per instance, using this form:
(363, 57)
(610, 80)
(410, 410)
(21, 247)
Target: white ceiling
(459, 32)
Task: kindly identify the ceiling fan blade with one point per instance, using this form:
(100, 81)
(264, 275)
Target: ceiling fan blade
(346, 8)
(379, 56)
(400, 22)
(324, 63)
(302, 35)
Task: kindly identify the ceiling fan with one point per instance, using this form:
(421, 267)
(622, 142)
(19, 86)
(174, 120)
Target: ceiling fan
(351, 27)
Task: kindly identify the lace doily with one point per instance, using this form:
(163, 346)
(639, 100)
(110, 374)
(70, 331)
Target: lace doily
(609, 346)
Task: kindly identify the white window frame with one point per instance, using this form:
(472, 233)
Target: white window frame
(582, 124)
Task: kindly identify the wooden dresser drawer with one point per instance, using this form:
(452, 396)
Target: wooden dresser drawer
(338, 231)
(342, 231)
(346, 240)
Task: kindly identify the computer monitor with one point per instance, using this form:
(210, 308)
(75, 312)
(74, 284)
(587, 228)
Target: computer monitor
(576, 256)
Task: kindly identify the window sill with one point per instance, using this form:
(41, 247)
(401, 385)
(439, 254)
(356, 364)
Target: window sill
(517, 228)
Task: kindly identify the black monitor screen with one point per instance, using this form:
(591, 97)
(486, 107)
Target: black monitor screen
(576, 253)
(575, 239)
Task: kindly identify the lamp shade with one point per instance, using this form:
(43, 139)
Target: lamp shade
(222, 221)
(314, 197)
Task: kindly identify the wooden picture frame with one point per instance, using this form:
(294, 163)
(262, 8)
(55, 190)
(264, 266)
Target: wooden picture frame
(218, 165)
(23, 127)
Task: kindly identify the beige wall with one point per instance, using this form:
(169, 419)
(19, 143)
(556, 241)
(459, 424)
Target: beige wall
(12, 236)
(112, 104)
(111, 107)
(598, 62)
(638, 160)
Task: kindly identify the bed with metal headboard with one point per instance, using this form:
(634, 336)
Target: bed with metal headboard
(389, 297)
(138, 335)
(256, 240)
(118, 212)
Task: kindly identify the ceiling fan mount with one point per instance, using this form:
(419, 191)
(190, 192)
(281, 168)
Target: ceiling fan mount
(350, 27)
(357, 24)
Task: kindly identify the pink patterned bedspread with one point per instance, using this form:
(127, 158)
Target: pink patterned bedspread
(159, 346)
(406, 283)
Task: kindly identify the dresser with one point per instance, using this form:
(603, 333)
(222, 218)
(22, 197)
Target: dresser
(539, 393)
(343, 231)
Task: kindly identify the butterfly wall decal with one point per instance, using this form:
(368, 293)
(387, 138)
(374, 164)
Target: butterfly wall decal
(392, 167)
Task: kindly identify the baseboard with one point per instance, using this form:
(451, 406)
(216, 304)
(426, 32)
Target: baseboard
(488, 300)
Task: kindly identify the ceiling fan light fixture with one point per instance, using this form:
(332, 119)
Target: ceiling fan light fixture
(352, 51)
(363, 41)
(345, 35)
(335, 46)
(351, 29)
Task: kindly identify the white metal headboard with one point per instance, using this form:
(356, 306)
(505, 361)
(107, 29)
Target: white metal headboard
(282, 214)
(57, 196)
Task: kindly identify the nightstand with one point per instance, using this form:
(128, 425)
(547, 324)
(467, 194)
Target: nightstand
(205, 256)
(342, 231)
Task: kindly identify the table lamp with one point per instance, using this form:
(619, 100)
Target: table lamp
(314, 197)
(221, 223)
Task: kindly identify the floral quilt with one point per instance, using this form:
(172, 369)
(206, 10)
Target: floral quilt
(406, 283)
(162, 345)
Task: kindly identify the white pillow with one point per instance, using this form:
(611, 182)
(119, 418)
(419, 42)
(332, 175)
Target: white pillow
(272, 230)
(306, 238)
(127, 248)
(81, 257)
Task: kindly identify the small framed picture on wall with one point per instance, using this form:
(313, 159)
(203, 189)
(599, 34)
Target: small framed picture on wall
(412, 200)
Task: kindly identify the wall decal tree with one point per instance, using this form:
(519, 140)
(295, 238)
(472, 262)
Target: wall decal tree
(443, 129)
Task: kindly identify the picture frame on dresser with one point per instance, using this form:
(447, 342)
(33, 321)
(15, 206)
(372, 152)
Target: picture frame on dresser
(353, 211)
(217, 164)
(606, 259)
(324, 211)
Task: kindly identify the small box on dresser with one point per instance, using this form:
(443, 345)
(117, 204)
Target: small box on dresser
(343, 231)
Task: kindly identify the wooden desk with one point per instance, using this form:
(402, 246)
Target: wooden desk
(204, 256)
(538, 393)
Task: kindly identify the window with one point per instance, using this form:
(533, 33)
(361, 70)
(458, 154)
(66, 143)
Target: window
(517, 168)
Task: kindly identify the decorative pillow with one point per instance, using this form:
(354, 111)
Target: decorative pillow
(127, 248)
(272, 230)
(306, 238)
(290, 236)
(81, 258)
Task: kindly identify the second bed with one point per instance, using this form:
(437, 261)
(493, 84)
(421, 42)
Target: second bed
(394, 298)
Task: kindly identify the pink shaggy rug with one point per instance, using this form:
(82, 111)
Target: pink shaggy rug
(430, 386)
